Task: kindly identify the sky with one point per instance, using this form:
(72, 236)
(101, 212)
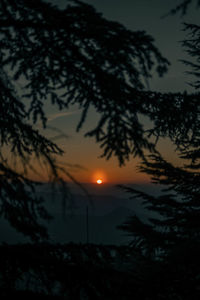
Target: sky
(82, 155)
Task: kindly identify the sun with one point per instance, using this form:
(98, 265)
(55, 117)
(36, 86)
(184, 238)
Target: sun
(99, 177)
(99, 181)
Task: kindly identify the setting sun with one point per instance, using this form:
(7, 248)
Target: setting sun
(99, 177)
(99, 181)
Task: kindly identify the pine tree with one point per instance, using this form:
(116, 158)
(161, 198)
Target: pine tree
(65, 56)
(75, 56)
(172, 238)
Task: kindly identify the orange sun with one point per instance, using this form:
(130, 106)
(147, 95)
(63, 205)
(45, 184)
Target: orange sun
(99, 181)
(98, 177)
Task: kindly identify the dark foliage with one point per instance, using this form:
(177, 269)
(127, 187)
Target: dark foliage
(192, 45)
(178, 207)
(183, 7)
(75, 56)
(70, 56)
(172, 237)
(66, 271)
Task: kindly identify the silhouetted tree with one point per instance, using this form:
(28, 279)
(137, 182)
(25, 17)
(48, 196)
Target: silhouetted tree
(69, 56)
(183, 7)
(75, 56)
(172, 235)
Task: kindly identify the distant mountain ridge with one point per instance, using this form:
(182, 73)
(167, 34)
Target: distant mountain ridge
(72, 228)
(106, 211)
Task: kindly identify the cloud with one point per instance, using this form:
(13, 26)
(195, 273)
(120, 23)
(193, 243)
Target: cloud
(61, 114)
(55, 116)
(73, 167)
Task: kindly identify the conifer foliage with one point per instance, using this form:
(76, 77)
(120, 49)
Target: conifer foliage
(64, 57)
(171, 236)
(75, 56)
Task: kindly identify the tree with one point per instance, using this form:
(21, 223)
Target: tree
(183, 181)
(75, 56)
(173, 237)
(70, 56)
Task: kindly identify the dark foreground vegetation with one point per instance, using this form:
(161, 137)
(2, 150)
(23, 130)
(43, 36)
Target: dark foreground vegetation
(71, 271)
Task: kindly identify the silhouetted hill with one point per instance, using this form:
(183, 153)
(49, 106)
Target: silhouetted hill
(72, 228)
(102, 229)
(106, 211)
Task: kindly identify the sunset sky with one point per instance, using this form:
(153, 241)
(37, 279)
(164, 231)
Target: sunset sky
(82, 154)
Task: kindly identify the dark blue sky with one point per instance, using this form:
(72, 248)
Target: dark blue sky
(167, 32)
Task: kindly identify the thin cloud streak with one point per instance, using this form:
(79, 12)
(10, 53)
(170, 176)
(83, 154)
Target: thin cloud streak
(60, 115)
